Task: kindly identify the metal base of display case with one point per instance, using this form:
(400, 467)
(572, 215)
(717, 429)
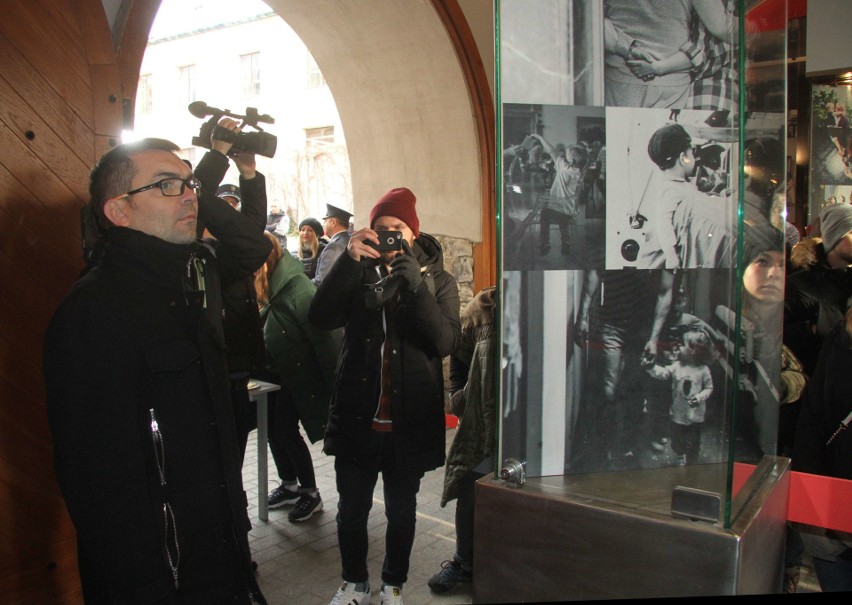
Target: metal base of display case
(614, 535)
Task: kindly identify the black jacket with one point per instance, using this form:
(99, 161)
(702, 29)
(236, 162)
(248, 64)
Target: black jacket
(240, 317)
(827, 403)
(816, 297)
(424, 328)
(133, 339)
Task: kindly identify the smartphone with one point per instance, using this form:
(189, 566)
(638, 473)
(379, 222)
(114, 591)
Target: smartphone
(389, 241)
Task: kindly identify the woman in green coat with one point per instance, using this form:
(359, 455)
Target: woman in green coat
(302, 360)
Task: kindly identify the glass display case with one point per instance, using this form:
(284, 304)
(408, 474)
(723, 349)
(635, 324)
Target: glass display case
(642, 219)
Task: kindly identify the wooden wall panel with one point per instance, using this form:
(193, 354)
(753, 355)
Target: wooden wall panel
(20, 76)
(48, 62)
(36, 32)
(91, 24)
(45, 153)
(106, 94)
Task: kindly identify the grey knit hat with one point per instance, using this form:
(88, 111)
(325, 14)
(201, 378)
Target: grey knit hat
(835, 222)
(762, 237)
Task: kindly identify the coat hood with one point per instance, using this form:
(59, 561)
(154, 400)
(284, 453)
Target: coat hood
(807, 253)
(428, 252)
(288, 268)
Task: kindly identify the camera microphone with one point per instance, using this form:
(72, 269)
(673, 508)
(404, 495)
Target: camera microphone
(200, 109)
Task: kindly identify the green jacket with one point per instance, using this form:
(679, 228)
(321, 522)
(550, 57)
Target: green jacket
(473, 368)
(303, 357)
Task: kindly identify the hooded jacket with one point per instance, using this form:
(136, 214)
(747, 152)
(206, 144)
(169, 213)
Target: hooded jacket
(423, 328)
(816, 297)
(136, 346)
(821, 444)
(301, 355)
(826, 405)
(473, 391)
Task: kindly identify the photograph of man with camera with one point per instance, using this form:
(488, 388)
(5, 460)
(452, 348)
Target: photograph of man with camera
(675, 205)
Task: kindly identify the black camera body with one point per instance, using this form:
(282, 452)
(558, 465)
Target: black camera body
(389, 241)
(258, 141)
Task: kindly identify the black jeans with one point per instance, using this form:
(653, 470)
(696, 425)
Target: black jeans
(355, 485)
(289, 450)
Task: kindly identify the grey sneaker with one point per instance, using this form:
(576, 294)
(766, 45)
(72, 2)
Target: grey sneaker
(307, 505)
(452, 572)
(281, 496)
(348, 595)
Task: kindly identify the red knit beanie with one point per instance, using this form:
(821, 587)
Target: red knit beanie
(398, 203)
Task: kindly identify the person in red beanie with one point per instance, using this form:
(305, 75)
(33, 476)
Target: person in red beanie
(400, 311)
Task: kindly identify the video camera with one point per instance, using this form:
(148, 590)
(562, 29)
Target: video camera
(260, 142)
(709, 159)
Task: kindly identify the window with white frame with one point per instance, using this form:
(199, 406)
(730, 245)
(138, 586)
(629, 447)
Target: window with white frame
(187, 83)
(144, 95)
(250, 68)
(315, 79)
(315, 137)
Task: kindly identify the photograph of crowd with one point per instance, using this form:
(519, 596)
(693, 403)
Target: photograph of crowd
(554, 187)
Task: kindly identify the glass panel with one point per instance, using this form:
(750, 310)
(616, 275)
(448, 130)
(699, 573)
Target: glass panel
(763, 159)
(625, 222)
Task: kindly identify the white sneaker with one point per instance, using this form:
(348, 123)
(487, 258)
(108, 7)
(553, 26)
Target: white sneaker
(347, 595)
(391, 595)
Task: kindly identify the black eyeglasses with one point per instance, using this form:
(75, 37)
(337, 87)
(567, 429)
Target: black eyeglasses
(172, 187)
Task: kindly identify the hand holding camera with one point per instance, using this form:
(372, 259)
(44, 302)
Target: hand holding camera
(363, 245)
(406, 269)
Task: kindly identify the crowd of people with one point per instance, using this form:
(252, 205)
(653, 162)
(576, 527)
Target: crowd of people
(187, 297)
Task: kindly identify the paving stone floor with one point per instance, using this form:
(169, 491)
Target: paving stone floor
(299, 563)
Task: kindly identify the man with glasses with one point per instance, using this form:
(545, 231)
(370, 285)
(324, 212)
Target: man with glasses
(145, 445)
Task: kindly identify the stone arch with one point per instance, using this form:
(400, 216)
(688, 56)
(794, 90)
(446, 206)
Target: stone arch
(413, 97)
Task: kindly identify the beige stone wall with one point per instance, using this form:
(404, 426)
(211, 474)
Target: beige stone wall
(458, 260)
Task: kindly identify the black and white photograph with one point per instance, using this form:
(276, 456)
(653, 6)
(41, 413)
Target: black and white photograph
(554, 187)
(626, 369)
(625, 345)
(664, 54)
(551, 52)
(609, 377)
(670, 196)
